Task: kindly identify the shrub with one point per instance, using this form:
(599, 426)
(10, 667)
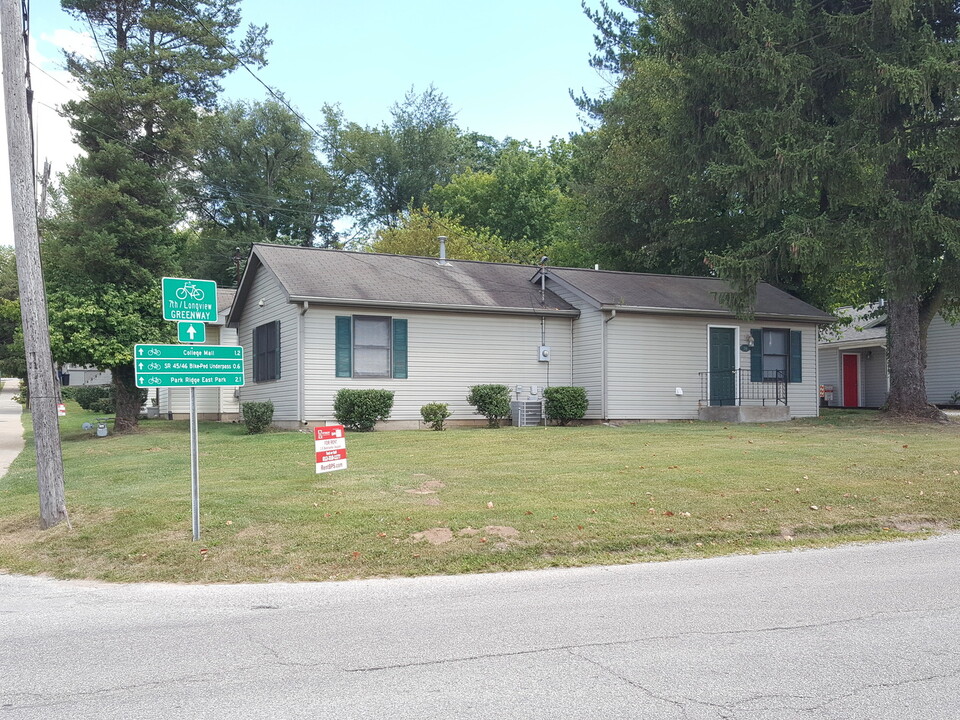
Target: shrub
(434, 414)
(491, 401)
(94, 398)
(564, 404)
(362, 409)
(257, 416)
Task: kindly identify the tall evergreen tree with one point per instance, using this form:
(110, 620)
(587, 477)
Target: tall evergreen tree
(113, 235)
(797, 142)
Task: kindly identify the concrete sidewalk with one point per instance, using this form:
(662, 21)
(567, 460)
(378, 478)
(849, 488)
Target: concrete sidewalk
(11, 426)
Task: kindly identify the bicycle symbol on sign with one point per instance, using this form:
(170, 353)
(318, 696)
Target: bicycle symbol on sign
(153, 351)
(189, 289)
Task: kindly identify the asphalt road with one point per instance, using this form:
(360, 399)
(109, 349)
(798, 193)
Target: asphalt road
(857, 632)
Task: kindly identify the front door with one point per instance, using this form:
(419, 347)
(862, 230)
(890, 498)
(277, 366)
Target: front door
(851, 380)
(723, 363)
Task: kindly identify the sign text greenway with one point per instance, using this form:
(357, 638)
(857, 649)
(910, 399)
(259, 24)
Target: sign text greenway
(188, 365)
(185, 299)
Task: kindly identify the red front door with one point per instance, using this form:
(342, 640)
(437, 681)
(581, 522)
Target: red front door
(851, 380)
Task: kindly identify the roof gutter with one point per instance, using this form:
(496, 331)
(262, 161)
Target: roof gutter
(819, 319)
(852, 344)
(342, 302)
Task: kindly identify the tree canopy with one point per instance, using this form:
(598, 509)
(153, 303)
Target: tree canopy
(113, 234)
(811, 144)
(395, 165)
(257, 178)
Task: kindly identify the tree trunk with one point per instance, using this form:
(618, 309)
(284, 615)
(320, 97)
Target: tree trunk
(905, 359)
(127, 399)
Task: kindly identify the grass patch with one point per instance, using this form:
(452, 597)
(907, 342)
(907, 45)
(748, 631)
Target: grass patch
(415, 503)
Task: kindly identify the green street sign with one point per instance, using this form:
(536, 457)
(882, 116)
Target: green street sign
(191, 332)
(188, 365)
(184, 299)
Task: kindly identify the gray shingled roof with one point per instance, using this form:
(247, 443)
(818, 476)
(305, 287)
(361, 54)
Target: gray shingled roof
(333, 275)
(640, 291)
(866, 326)
(225, 298)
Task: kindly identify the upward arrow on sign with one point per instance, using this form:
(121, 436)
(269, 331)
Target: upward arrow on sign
(191, 332)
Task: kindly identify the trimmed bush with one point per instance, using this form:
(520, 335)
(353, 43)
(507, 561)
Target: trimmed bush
(564, 404)
(434, 414)
(361, 410)
(257, 416)
(94, 398)
(491, 401)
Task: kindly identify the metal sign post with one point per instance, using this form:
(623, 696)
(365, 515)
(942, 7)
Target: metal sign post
(191, 303)
(194, 464)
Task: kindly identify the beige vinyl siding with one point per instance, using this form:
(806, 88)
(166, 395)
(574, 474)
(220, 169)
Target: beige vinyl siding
(829, 359)
(282, 392)
(447, 353)
(943, 360)
(650, 356)
(804, 397)
(873, 375)
(587, 350)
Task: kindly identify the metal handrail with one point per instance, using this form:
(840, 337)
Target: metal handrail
(734, 387)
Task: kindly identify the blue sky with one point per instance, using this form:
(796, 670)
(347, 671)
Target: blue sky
(507, 66)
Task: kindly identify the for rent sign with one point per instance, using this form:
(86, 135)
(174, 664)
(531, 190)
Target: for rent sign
(330, 444)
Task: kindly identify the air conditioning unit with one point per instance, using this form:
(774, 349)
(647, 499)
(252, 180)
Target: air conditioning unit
(544, 353)
(528, 413)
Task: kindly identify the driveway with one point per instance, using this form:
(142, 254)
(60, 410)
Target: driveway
(863, 632)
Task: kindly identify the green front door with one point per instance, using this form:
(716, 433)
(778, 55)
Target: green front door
(723, 363)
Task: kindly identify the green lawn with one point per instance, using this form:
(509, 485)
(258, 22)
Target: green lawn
(458, 501)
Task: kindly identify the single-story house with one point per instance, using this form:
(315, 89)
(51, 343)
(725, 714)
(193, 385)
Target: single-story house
(213, 403)
(645, 347)
(853, 360)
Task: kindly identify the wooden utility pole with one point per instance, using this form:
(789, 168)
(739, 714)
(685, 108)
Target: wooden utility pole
(33, 300)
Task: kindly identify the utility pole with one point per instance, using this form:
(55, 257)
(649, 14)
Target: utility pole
(33, 300)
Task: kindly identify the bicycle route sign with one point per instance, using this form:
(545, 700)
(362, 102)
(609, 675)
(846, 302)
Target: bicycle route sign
(189, 300)
(188, 365)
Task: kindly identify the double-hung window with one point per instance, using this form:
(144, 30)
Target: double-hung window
(776, 353)
(371, 346)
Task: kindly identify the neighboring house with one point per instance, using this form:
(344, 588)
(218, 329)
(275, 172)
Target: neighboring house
(645, 347)
(213, 403)
(853, 360)
(71, 375)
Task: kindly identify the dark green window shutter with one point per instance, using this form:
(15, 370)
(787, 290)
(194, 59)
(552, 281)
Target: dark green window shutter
(756, 356)
(796, 356)
(344, 352)
(400, 348)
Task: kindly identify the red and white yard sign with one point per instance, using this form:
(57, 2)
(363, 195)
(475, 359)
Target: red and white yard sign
(331, 448)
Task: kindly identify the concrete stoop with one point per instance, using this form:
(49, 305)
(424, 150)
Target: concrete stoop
(744, 413)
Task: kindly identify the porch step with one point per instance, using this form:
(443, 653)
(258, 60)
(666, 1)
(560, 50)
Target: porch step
(744, 413)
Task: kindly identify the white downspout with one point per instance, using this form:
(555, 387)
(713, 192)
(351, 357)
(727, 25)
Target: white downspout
(603, 366)
(301, 385)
